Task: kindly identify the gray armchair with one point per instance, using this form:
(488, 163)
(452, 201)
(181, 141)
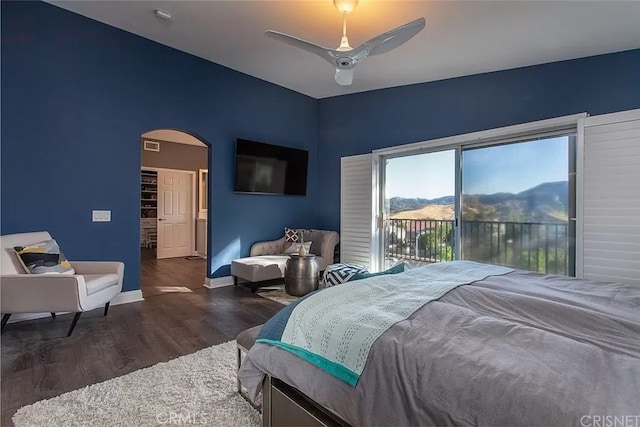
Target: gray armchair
(267, 262)
(93, 285)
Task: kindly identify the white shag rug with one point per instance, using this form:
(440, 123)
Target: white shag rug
(197, 389)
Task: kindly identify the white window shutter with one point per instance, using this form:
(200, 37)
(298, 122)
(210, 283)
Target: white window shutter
(356, 218)
(611, 198)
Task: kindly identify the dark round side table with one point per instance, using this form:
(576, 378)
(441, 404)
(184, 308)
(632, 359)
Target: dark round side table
(301, 275)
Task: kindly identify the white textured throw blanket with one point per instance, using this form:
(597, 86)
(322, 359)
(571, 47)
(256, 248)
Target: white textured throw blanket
(336, 327)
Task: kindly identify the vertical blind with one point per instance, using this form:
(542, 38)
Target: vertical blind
(611, 197)
(356, 218)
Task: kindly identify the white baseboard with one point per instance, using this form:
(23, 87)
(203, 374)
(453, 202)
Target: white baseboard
(218, 282)
(122, 298)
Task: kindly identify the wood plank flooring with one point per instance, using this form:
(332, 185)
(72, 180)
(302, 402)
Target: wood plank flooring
(161, 276)
(40, 362)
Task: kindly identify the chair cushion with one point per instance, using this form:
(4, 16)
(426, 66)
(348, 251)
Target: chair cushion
(315, 237)
(247, 338)
(295, 248)
(9, 263)
(259, 268)
(291, 235)
(43, 258)
(97, 282)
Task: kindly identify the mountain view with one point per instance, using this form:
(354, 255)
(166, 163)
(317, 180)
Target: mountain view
(546, 202)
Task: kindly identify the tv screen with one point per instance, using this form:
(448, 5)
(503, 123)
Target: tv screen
(270, 169)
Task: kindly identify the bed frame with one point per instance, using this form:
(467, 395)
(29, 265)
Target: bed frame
(285, 406)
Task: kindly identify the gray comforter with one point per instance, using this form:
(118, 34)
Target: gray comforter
(518, 349)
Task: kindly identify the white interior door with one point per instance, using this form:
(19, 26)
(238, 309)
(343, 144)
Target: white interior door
(175, 215)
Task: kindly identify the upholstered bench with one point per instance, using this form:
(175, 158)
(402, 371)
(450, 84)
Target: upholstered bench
(263, 270)
(245, 340)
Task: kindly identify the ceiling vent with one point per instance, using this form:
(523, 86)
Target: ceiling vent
(151, 146)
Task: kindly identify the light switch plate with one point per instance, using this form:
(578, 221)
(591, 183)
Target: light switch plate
(101, 216)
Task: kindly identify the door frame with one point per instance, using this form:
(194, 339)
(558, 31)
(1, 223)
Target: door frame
(379, 160)
(194, 213)
(514, 133)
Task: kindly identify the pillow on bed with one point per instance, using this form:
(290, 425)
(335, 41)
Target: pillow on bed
(393, 270)
(336, 274)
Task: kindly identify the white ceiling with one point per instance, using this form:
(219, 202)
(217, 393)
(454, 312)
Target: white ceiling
(461, 37)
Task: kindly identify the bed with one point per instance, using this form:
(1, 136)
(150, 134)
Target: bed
(511, 348)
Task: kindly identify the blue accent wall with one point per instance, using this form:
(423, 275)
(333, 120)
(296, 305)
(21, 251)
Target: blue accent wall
(360, 123)
(76, 97)
(78, 94)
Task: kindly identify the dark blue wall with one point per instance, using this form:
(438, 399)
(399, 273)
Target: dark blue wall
(77, 95)
(360, 123)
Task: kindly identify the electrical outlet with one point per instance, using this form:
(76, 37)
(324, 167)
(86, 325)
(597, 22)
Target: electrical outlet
(101, 216)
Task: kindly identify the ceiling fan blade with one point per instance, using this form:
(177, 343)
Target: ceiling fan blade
(393, 38)
(344, 77)
(323, 52)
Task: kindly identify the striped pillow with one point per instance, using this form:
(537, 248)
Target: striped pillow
(337, 274)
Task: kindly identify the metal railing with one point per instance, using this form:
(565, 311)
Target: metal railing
(423, 240)
(534, 246)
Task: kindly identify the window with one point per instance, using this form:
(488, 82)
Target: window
(516, 207)
(420, 207)
(504, 196)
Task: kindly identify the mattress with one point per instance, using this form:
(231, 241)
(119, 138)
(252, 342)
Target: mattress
(518, 349)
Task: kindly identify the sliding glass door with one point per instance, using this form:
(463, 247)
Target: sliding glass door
(419, 208)
(515, 205)
(509, 203)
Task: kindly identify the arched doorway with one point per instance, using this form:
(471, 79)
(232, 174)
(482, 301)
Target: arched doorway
(173, 211)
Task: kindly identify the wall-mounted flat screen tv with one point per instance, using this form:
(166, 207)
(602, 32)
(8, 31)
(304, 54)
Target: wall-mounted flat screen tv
(270, 169)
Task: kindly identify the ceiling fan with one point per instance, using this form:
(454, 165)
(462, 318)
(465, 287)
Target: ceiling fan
(345, 58)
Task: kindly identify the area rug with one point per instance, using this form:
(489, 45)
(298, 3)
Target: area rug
(277, 294)
(199, 388)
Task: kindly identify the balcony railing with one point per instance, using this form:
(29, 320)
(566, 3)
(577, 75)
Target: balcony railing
(534, 246)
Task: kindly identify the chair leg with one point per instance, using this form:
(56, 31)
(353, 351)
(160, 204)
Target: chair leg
(106, 308)
(53, 315)
(73, 323)
(5, 319)
(237, 377)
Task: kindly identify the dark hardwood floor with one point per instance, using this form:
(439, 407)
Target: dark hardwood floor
(40, 362)
(161, 276)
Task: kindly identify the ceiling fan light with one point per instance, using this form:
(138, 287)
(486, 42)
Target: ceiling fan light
(345, 6)
(162, 14)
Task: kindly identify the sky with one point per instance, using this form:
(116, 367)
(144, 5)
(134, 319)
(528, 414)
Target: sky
(509, 168)
(424, 175)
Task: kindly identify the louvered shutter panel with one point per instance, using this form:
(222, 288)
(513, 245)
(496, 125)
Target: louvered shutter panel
(356, 221)
(611, 197)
